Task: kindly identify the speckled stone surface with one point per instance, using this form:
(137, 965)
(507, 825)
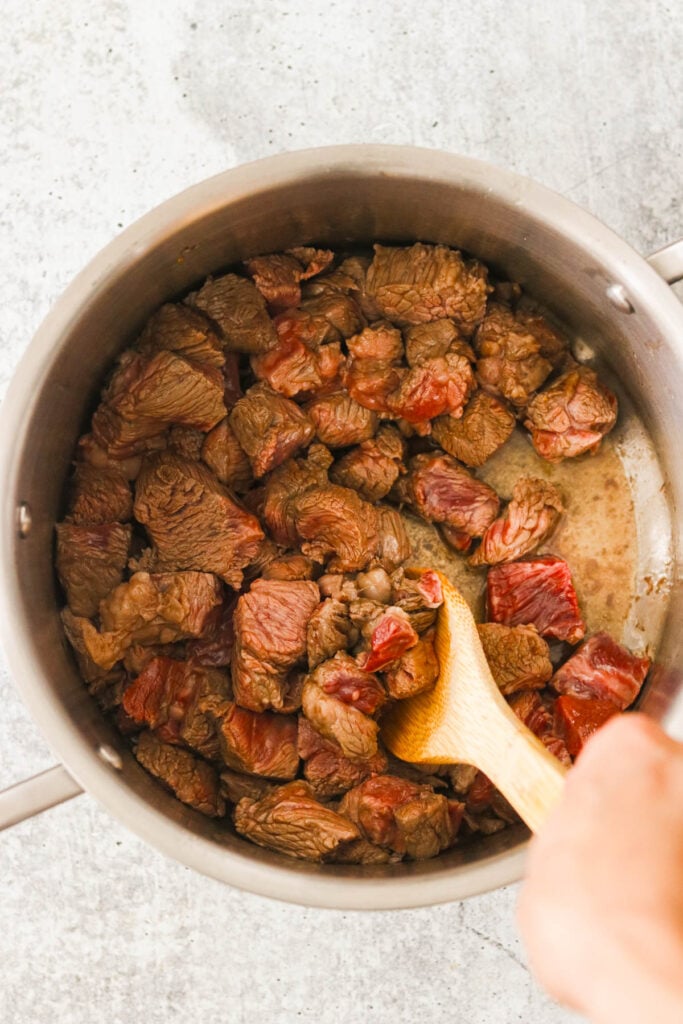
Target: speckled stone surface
(105, 110)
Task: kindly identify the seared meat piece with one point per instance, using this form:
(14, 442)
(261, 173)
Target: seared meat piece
(226, 457)
(325, 767)
(517, 351)
(373, 467)
(347, 279)
(290, 820)
(235, 786)
(518, 657)
(381, 341)
(277, 276)
(138, 656)
(341, 312)
(363, 852)
(485, 426)
(96, 677)
(287, 482)
(418, 283)
(269, 428)
(342, 678)
(433, 340)
(335, 521)
(98, 496)
(441, 491)
(192, 780)
(270, 639)
(340, 722)
(339, 421)
(571, 416)
(289, 567)
(604, 669)
(401, 815)
(374, 585)
(394, 545)
(177, 328)
(215, 646)
(435, 387)
(237, 307)
(89, 453)
(416, 671)
(293, 368)
(538, 592)
(372, 373)
(192, 520)
(259, 744)
(419, 597)
(530, 708)
(160, 608)
(577, 718)
(90, 563)
(329, 630)
(186, 442)
(392, 635)
(528, 521)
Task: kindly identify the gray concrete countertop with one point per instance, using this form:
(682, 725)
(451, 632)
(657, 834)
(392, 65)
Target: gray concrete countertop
(108, 108)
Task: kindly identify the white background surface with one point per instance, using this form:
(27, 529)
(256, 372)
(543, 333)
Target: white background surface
(105, 110)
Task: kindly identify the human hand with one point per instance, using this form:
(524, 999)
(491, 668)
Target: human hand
(601, 910)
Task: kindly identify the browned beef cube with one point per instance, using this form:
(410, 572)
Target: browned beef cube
(226, 457)
(138, 656)
(215, 646)
(89, 453)
(192, 780)
(90, 563)
(381, 341)
(192, 520)
(339, 421)
(392, 635)
(518, 657)
(419, 283)
(528, 706)
(326, 768)
(293, 478)
(98, 496)
(270, 639)
(604, 669)
(148, 609)
(94, 674)
(289, 567)
(339, 722)
(571, 416)
(433, 340)
(185, 441)
(394, 546)
(420, 595)
(435, 387)
(537, 592)
(342, 677)
(335, 523)
(277, 276)
(516, 352)
(294, 368)
(373, 467)
(401, 815)
(340, 311)
(235, 786)
(485, 426)
(416, 671)
(290, 820)
(329, 630)
(257, 743)
(374, 585)
(441, 491)
(269, 428)
(530, 519)
(372, 382)
(178, 328)
(238, 309)
(363, 852)
(347, 279)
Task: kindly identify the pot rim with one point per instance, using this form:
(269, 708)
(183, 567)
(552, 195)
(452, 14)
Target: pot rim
(292, 883)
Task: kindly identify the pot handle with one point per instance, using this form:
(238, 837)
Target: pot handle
(37, 794)
(668, 262)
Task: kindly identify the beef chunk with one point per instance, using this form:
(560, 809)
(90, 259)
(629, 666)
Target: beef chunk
(571, 416)
(269, 428)
(349, 278)
(226, 457)
(341, 588)
(185, 441)
(192, 520)
(339, 421)
(392, 636)
(294, 368)
(485, 426)
(270, 639)
(401, 815)
(90, 563)
(529, 707)
(538, 592)
(418, 283)
(90, 453)
(381, 341)
(192, 780)
(433, 340)
(290, 820)
(373, 467)
(517, 351)
(329, 630)
(518, 657)
(235, 786)
(289, 567)
(435, 387)
(237, 308)
(294, 478)
(149, 392)
(394, 546)
(603, 669)
(335, 523)
(418, 596)
(342, 678)
(177, 328)
(375, 585)
(257, 743)
(148, 609)
(214, 647)
(363, 852)
(339, 722)
(277, 276)
(326, 769)
(577, 718)
(528, 521)
(372, 373)
(416, 671)
(98, 496)
(441, 491)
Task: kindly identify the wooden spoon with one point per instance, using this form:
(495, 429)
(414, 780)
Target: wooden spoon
(465, 719)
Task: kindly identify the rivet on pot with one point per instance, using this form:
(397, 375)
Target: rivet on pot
(617, 295)
(110, 756)
(24, 519)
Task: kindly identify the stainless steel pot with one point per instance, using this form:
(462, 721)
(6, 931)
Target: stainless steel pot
(591, 279)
